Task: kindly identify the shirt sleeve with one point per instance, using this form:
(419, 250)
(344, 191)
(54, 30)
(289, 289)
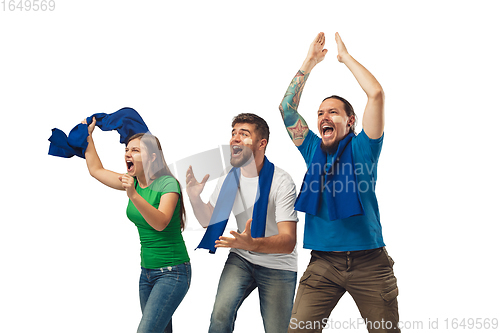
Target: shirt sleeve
(285, 200)
(309, 146)
(371, 147)
(166, 184)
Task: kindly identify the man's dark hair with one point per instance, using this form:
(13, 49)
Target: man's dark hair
(261, 126)
(349, 110)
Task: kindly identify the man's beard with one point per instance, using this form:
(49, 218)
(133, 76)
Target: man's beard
(245, 158)
(329, 149)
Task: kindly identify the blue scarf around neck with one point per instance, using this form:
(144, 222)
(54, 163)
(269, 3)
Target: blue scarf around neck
(126, 122)
(326, 176)
(225, 202)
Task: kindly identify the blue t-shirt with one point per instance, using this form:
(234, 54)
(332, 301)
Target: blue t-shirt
(362, 232)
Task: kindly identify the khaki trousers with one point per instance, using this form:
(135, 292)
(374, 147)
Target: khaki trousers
(366, 275)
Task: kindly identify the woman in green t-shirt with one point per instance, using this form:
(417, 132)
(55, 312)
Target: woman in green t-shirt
(156, 208)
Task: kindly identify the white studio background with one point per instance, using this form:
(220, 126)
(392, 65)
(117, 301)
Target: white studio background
(69, 255)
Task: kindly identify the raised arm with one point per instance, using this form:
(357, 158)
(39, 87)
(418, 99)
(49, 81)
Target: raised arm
(202, 211)
(296, 125)
(373, 117)
(94, 164)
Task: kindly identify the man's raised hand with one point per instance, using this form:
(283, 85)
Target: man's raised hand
(193, 187)
(317, 52)
(341, 49)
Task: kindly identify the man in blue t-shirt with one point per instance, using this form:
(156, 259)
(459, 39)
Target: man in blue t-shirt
(342, 225)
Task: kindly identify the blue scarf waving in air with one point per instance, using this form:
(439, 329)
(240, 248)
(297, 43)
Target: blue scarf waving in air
(126, 122)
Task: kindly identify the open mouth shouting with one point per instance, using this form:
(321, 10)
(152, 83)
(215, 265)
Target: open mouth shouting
(236, 150)
(130, 166)
(240, 155)
(327, 130)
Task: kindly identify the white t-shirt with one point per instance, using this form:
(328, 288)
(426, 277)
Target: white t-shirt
(280, 208)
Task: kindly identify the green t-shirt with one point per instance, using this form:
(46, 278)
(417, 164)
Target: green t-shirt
(159, 248)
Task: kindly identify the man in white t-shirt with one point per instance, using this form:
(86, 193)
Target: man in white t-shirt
(268, 263)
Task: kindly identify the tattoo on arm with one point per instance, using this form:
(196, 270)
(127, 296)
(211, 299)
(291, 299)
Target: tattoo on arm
(296, 125)
(298, 131)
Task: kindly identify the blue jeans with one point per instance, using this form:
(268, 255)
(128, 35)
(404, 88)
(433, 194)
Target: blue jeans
(161, 291)
(238, 279)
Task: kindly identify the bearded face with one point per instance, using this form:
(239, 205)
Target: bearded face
(333, 124)
(242, 144)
